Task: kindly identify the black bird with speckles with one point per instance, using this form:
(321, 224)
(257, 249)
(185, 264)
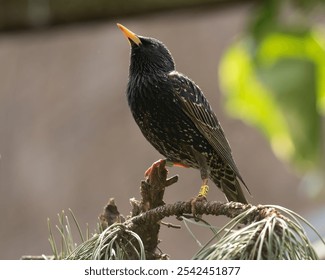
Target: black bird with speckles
(176, 118)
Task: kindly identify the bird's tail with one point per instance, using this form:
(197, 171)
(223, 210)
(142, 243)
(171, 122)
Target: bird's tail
(232, 189)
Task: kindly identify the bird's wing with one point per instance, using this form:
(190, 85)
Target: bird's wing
(197, 108)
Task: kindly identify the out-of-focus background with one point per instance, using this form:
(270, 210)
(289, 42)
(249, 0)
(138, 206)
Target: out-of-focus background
(68, 140)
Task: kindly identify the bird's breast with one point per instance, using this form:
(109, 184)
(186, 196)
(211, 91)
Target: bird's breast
(159, 115)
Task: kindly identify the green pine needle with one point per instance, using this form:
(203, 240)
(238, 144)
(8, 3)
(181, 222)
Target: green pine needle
(274, 237)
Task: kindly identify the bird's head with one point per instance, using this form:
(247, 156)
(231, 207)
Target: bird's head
(148, 55)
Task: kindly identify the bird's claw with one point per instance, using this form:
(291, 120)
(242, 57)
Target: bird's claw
(194, 201)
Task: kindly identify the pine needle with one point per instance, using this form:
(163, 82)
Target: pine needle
(276, 236)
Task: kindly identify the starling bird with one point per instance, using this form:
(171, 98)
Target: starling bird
(176, 118)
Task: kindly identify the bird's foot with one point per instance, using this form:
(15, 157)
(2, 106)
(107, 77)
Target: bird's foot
(194, 202)
(201, 197)
(153, 166)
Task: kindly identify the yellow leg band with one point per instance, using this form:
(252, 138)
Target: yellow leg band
(204, 190)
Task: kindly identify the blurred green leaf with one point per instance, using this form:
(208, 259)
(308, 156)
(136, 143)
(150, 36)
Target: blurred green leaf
(276, 84)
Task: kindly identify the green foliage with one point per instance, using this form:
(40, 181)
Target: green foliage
(113, 243)
(275, 237)
(67, 240)
(273, 79)
(272, 232)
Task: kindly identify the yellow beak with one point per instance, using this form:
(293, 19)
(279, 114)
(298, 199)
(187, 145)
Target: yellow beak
(129, 34)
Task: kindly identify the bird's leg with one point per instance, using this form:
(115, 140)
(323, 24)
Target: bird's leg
(204, 188)
(202, 196)
(204, 170)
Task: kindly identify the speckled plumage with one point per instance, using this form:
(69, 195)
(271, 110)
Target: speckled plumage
(176, 118)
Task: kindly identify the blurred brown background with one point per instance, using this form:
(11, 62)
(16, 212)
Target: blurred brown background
(68, 140)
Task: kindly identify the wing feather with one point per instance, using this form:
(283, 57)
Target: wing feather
(197, 108)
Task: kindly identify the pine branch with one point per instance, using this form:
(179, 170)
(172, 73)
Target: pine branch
(148, 213)
(254, 232)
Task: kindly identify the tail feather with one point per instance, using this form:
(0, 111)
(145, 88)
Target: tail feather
(233, 191)
(230, 182)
